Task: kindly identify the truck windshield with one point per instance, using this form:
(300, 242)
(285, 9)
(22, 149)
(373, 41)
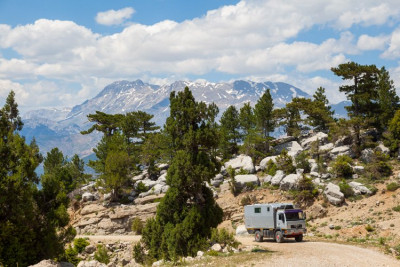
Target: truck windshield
(294, 215)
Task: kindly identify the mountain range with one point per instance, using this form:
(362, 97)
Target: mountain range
(61, 127)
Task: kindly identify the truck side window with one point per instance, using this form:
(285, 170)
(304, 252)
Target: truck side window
(268, 209)
(257, 210)
(281, 217)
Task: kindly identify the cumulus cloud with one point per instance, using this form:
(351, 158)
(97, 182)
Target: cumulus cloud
(366, 42)
(250, 39)
(114, 17)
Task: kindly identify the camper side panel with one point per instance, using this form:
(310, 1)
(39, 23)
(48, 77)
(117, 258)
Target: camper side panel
(259, 216)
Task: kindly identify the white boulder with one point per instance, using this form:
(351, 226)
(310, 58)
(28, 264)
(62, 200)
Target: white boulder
(216, 247)
(341, 150)
(242, 180)
(367, 155)
(333, 194)
(87, 196)
(382, 148)
(241, 230)
(241, 162)
(359, 188)
(279, 175)
(290, 182)
(263, 163)
(292, 147)
(320, 136)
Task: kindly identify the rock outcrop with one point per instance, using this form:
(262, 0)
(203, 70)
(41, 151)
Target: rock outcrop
(241, 162)
(333, 194)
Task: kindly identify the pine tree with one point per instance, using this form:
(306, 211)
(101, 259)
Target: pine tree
(387, 99)
(263, 111)
(363, 94)
(247, 119)
(188, 211)
(230, 131)
(319, 111)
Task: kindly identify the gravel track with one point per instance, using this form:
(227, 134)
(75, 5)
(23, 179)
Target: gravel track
(291, 253)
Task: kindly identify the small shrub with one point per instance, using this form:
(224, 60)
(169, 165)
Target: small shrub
(242, 171)
(397, 208)
(392, 186)
(232, 183)
(302, 162)
(346, 189)
(141, 187)
(246, 200)
(212, 253)
(101, 254)
(139, 254)
(249, 186)
(392, 225)
(338, 227)
(369, 228)
(284, 162)
(137, 226)
(305, 192)
(271, 168)
(342, 166)
(80, 244)
(223, 237)
(71, 256)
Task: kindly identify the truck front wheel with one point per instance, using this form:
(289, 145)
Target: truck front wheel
(279, 237)
(258, 236)
(299, 238)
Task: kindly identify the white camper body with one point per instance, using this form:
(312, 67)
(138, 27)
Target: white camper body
(275, 220)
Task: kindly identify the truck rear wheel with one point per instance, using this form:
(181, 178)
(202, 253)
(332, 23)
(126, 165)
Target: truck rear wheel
(279, 237)
(298, 238)
(258, 236)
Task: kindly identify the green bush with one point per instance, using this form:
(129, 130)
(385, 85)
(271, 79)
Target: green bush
(392, 186)
(246, 200)
(80, 244)
(140, 255)
(397, 208)
(302, 162)
(346, 189)
(284, 162)
(71, 256)
(369, 228)
(140, 188)
(101, 254)
(223, 237)
(306, 191)
(338, 227)
(342, 166)
(137, 226)
(271, 168)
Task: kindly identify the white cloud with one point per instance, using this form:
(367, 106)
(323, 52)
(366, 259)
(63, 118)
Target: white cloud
(394, 46)
(366, 42)
(114, 17)
(250, 39)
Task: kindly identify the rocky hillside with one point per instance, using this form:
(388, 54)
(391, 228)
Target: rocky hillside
(370, 214)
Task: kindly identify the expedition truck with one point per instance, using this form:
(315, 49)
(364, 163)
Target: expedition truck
(275, 220)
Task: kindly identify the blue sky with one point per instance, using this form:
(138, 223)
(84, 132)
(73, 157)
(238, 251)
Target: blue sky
(56, 53)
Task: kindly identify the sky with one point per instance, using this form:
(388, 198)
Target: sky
(58, 53)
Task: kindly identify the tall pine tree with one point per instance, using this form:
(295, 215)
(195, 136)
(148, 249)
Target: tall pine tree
(264, 117)
(188, 211)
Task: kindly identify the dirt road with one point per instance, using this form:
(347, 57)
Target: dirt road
(291, 253)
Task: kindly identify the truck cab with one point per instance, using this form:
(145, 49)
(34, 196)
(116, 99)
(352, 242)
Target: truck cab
(275, 220)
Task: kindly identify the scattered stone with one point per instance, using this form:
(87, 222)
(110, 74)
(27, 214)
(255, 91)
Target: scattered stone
(200, 253)
(242, 180)
(47, 263)
(241, 162)
(87, 196)
(279, 175)
(90, 249)
(289, 182)
(148, 199)
(241, 230)
(331, 226)
(292, 147)
(267, 179)
(316, 211)
(382, 148)
(92, 263)
(367, 155)
(217, 180)
(263, 163)
(333, 194)
(327, 147)
(216, 247)
(341, 150)
(344, 141)
(314, 174)
(158, 263)
(325, 176)
(359, 188)
(320, 136)
(354, 176)
(107, 196)
(358, 169)
(314, 167)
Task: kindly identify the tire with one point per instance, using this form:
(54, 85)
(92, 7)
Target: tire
(279, 237)
(258, 236)
(299, 238)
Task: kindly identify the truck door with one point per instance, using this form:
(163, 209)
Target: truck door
(281, 221)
